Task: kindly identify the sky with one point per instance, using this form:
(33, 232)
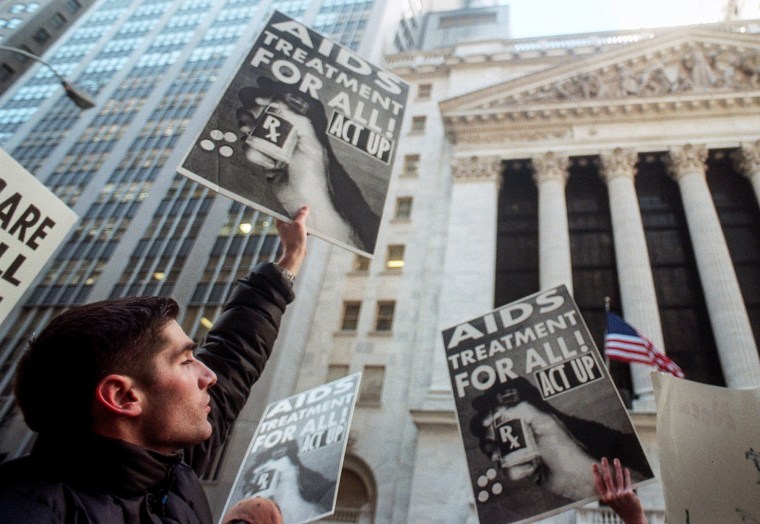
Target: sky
(531, 18)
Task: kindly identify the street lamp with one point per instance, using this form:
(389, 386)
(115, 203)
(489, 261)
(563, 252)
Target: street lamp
(80, 98)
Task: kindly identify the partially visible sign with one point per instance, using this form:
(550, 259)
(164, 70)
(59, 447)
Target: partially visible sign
(33, 223)
(296, 454)
(536, 408)
(709, 443)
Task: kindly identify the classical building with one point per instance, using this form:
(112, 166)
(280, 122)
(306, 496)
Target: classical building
(623, 165)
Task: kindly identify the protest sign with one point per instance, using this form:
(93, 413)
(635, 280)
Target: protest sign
(33, 223)
(709, 443)
(536, 408)
(305, 121)
(296, 454)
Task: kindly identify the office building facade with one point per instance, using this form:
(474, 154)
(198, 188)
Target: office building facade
(155, 69)
(32, 27)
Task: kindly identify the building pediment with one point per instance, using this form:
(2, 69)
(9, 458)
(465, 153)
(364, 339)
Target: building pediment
(690, 72)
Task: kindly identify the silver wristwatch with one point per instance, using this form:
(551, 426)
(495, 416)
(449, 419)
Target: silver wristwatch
(289, 275)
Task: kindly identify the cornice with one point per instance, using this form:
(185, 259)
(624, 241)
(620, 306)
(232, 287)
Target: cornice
(559, 47)
(544, 122)
(433, 418)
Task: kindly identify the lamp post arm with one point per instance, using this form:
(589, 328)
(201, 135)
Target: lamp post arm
(80, 98)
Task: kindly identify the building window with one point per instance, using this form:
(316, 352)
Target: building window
(6, 72)
(73, 6)
(350, 316)
(336, 371)
(395, 258)
(411, 165)
(41, 35)
(418, 124)
(371, 388)
(424, 91)
(403, 208)
(361, 264)
(384, 320)
(57, 21)
(354, 503)
(23, 59)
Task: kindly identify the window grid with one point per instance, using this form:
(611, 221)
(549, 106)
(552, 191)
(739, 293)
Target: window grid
(403, 208)
(350, 320)
(385, 312)
(395, 259)
(371, 388)
(411, 165)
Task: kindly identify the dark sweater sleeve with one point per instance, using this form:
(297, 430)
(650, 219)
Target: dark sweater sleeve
(237, 349)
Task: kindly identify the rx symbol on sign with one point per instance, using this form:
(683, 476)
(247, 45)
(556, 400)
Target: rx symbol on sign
(506, 435)
(271, 124)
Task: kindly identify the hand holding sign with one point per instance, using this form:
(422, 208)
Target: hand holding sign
(282, 142)
(564, 464)
(617, 492)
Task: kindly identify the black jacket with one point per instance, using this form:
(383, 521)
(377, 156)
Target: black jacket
(78, 478)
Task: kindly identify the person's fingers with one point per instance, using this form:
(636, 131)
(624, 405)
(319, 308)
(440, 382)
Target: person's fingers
(620, 483)
(301, 215)
(628, 484)
(607, 474)
(599, 483)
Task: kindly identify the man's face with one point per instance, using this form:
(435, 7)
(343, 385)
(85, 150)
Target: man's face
(176, 400)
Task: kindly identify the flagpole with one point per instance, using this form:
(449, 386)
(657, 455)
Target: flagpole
(606, 315)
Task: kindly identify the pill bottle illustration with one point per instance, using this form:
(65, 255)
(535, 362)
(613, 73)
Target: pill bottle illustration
(517, 450)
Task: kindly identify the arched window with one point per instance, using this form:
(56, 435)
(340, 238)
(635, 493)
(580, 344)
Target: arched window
(356, 494)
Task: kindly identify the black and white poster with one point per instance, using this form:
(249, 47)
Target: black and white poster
(536, 408)
(33, 223)
(296, 454)
(305, 121)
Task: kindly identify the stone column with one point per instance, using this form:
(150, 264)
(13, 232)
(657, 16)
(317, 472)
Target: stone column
(467, 292)
(550, 172)
(748, 162)
(728, 316)
(470, 262)
(637, 293)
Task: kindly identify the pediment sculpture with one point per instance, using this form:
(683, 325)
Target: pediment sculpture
(692, 68)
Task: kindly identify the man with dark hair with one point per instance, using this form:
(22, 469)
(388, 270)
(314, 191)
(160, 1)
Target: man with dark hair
(128, 412)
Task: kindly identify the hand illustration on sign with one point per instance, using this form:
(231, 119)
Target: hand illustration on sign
(284, 141)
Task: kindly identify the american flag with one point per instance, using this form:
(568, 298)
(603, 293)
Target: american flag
(622, 342)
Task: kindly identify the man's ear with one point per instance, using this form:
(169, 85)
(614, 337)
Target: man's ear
(118, 394)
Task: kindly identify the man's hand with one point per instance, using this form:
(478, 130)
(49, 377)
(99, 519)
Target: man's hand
(617, 493)
(293, 239)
